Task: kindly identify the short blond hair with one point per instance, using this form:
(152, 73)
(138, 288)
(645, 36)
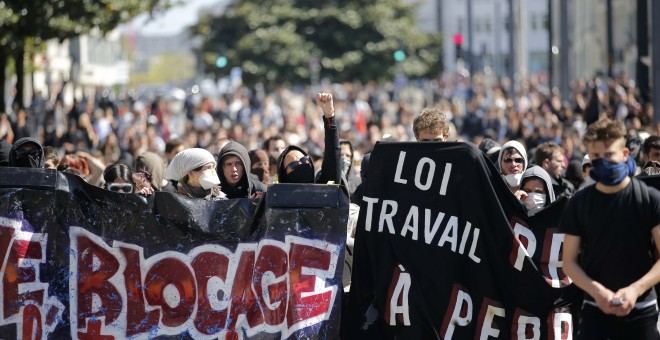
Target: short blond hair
(431, 119)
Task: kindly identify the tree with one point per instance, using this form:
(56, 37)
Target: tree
(61, 19)
(274, 42)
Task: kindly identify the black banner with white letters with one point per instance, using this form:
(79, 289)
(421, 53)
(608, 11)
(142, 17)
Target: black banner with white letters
(444, 250)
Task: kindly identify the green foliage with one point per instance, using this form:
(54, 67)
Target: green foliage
(47, 19)
(274, 41)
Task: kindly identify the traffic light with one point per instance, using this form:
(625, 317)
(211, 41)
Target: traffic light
(221, 62)
(399, 55)
(458, 42)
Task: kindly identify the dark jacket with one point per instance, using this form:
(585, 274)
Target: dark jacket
(248, 185)
(563, 187)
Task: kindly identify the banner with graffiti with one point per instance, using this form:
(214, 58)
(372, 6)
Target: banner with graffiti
(85, 263)
(444, 250)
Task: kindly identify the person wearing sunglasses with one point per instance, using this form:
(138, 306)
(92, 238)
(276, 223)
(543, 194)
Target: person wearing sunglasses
(194, 171)
(513, 162)
(27, 153)
(294, 164)
(118, 178)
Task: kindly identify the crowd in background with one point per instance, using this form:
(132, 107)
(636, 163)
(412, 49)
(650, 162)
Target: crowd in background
(120, 130)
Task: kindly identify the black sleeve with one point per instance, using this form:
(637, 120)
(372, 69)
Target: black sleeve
(569, 222)
(330, 168)
(654, 198)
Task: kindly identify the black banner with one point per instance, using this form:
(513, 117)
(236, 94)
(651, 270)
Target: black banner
(82, 262)
(444, 250)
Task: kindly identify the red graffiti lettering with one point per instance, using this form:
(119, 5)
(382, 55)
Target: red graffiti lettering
(94, 281)
(173, 272)
(272, 292)
(31, 322)
(243, 299)
(302, 308)
(137, 318)
(208, 266)
(15, 275)
(211, 291)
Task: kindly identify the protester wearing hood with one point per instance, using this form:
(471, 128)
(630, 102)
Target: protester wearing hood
(512, 161)
(5, 148)
(27, 152)
(194, 169)
(154, 165)
(536, 190)
(233, 162)
(295, 166)
(260, 165)
(347, 157)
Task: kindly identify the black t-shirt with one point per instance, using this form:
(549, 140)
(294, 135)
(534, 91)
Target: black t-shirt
(615, 232)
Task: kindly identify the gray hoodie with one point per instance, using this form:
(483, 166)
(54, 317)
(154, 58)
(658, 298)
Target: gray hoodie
(538, 172)
(248, 185)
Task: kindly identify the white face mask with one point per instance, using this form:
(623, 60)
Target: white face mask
(209, 179)
(513, 180)
(345, 165)
(534, 202)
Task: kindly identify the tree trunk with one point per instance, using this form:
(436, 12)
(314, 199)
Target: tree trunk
(4, 57)
(19, 61)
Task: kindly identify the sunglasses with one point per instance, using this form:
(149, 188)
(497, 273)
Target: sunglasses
(125, 188)
(295, 164)
(28, 153)
(518, 160)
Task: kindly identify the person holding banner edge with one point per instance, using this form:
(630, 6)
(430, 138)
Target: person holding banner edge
(613, 225)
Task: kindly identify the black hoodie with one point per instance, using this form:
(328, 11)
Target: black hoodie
(21, 142)
(330, 168)
(247, 186)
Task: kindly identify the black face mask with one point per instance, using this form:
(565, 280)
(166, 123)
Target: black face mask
(303, 173)
(28, 162)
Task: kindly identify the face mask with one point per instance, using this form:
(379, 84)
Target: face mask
(609, 173)
(534, 202)
(28, 162)
(303, 173)
(209, 179)
(513, 180)
(345, 165)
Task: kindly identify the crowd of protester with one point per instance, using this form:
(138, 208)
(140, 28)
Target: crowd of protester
(235, 145)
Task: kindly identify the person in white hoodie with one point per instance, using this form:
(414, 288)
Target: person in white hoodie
(536, 190)
(512, 161)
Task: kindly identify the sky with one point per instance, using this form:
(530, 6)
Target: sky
(173, 21)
